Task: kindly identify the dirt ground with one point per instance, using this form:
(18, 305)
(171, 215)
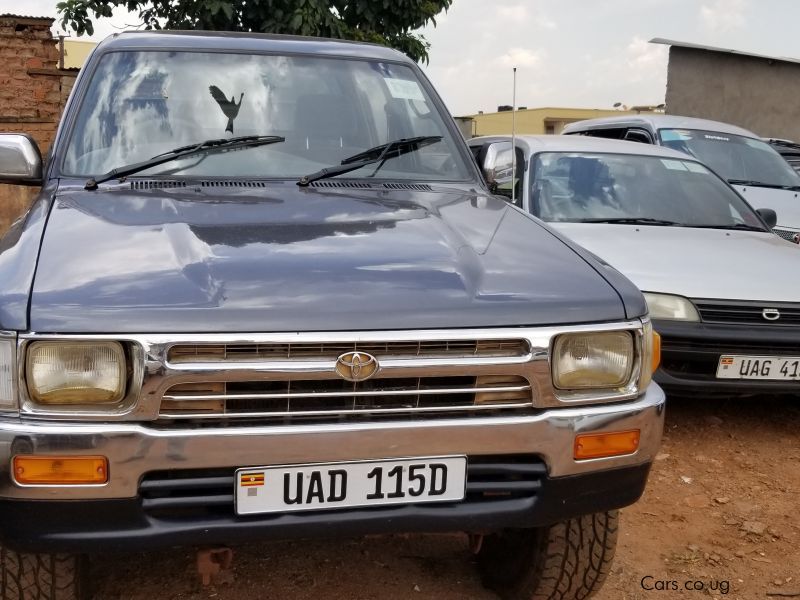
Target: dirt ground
(719, 519)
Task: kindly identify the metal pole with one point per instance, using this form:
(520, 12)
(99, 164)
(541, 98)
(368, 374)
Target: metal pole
(513, 138)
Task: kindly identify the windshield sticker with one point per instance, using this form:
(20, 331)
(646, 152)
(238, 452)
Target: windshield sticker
(719, 138)
(695, 167)
(675, 165)
(673, 135)
(404, 88)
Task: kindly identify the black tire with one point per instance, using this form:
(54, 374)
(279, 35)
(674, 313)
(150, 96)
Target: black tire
(566, 561)
(42, 576)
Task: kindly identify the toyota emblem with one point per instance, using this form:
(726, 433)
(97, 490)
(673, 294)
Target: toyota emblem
(356, 366)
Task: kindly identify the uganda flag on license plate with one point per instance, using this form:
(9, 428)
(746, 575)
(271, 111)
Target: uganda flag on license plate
(252, 479)
(726, 361)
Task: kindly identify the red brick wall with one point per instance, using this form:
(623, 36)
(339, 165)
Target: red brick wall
(32, 95)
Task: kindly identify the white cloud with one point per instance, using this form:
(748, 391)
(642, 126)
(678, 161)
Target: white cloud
(724, 15)
(520, 57)
(516, 12)
(643, 57)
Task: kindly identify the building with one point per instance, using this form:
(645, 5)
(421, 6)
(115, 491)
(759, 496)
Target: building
(33, 90)
(534, 120)
(76, 52)
(752, 91)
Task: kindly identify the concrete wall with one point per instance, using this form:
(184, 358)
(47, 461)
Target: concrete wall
(535, 120)
(759, 94)
(32, 95)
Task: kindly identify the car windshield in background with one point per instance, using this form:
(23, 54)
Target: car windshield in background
(628, 189)
(141, 104)
(733, 157)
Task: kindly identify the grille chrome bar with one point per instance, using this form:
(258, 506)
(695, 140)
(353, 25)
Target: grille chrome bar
(411, 392)
(343, 413)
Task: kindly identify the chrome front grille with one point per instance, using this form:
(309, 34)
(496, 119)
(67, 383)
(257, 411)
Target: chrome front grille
(337, 397)
(750, 314)
(188, 353)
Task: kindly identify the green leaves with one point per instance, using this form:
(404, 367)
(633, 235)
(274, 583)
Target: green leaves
(388, 22)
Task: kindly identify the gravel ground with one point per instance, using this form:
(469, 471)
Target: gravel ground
(720, 515)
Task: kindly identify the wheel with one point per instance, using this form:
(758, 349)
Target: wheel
(566, 561)
(42, 576)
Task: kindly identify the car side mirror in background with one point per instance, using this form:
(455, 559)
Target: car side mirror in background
(20, 160)
(769, 216)
(496, 168)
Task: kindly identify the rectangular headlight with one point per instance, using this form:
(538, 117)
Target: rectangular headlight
(598, 360)
(76, 372)
(8, 367)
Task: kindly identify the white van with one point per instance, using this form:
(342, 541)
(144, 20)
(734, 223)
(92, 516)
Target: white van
(751, 165)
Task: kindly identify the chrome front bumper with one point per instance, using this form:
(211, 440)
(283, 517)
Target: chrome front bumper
(134, 450)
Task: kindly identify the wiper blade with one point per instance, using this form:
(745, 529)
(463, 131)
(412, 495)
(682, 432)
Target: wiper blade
(204, 147)
(629, 221)
(378, 154)
(740, 226)
(763, 184)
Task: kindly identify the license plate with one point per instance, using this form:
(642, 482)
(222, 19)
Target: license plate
(326, 486)
(780, 368)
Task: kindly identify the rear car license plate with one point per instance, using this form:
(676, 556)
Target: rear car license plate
(777, 368)
(329, 486)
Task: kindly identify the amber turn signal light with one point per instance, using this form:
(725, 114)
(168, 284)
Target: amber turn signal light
(656, 351)
(602, 445)
(60, 470)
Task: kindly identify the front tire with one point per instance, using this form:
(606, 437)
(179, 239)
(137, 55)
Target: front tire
(566, 561)
(25, 576)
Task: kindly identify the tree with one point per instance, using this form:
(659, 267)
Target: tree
(388, 22)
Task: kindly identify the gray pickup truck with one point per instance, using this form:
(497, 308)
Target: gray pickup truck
(265, 293)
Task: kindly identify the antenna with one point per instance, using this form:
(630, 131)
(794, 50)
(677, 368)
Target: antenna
(513, 138)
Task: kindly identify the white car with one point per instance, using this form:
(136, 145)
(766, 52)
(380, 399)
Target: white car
(722, 289)
(748, 163)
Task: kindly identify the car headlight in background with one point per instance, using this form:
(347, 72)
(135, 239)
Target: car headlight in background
(599, 360)
(75, 372)
(667, 306)
(8, 351)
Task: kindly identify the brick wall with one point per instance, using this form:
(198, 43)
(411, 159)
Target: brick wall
(32, 94)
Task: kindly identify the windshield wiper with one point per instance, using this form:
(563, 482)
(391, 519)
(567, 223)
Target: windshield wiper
(763, 184)
(628, 221)
(740, 226)
(378, 154)
(205, 147)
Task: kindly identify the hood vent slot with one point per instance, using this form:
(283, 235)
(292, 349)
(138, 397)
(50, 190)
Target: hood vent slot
(342, 184)
(419, 187)
(150, 184)
(233, 183)
(364, 185)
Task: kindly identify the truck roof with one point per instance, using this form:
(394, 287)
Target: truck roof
(575, 143)
(251, 42)
(656, 122)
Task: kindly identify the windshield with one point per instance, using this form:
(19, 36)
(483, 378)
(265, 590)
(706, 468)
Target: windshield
(140, 104)
(578, 187)
(732, 156)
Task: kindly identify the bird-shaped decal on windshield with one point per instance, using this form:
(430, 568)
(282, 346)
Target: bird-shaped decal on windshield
(229, 107)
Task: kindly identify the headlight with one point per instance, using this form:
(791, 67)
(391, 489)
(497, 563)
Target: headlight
(666, 306)
(8, 361)
(76, 372)
(593, 360)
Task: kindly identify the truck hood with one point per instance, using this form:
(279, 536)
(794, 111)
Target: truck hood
(696, 263)
(282, 258)
(785, 203)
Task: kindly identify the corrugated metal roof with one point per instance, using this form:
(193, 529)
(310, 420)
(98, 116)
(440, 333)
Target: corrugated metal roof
(722, 50)
(30, 17)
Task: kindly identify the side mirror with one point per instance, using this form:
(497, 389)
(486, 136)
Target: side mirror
(769, 216)
(20, 160)
(497, 168)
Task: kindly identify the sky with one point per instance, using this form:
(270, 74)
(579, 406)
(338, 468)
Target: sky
(573, 53)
